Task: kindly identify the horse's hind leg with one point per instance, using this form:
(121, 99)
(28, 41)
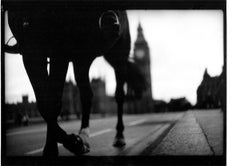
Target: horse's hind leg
(119, 65)
(119, 95)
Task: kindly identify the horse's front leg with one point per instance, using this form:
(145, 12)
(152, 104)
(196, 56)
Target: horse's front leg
(74, 143)
(53, 101)
(81, 72)
(48, 92)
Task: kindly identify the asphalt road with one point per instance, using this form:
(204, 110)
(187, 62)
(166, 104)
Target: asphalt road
(198, 132)
(140, 131)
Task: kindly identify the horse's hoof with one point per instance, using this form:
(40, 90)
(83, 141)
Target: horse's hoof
(76, 145)
(50, 150)
(119, 142)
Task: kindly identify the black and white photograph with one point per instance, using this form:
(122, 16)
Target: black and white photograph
(120, 83)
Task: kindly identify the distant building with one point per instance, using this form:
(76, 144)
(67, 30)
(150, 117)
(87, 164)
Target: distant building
(99, 96)
(71, 103)
(179, 104)
(141, 57)
(175, 104)
(28, 108)
(101, 103)
(211, 91)
(21, 112)
(160, 106)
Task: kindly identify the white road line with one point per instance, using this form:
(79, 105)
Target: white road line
(34, 151)
(38, 150)
(91, 135)
(100, 132)
(136, 122)
(44, 129)
(26, 132)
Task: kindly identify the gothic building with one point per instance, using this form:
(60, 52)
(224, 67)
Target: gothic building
(211, 91)
(21, 111)
(99, 96)
(72, 105)
(70, 100)
(141, 57)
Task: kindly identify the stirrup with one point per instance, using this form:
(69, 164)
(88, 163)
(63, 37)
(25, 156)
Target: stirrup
(110, 30)
(108, 18)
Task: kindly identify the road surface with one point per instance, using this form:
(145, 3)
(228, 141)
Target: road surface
(179, 133)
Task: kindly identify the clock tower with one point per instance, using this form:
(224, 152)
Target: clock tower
(141, 57)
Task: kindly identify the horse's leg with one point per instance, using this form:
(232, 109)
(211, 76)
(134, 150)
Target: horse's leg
(47, 95)
(119, 96)
(74, 143)
(120, 68)
(36, 68)
(53, 102)
(81, 72)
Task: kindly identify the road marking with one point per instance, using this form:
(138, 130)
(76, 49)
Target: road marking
(100, 132)
(25, 132)
(136, 122)
(44, 129)
(38, 150)
(91, 135)
(34, 151)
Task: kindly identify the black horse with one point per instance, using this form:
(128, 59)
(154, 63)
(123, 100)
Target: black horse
(65, 34)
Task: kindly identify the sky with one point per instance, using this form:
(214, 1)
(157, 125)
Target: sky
(183, 43)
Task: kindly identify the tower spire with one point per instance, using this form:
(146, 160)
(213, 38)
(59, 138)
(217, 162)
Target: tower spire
(206, 75)
(139, 27)
(140, 35)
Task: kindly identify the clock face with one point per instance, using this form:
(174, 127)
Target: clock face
(140, 53)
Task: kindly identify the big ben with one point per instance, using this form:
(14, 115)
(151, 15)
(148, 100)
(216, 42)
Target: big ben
(141, 57)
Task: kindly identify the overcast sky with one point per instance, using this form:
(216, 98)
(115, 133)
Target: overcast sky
(182, 44)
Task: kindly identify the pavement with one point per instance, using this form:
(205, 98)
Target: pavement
(190, 133)
(197, 133)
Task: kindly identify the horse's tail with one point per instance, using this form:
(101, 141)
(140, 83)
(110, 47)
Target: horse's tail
(135, 79)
